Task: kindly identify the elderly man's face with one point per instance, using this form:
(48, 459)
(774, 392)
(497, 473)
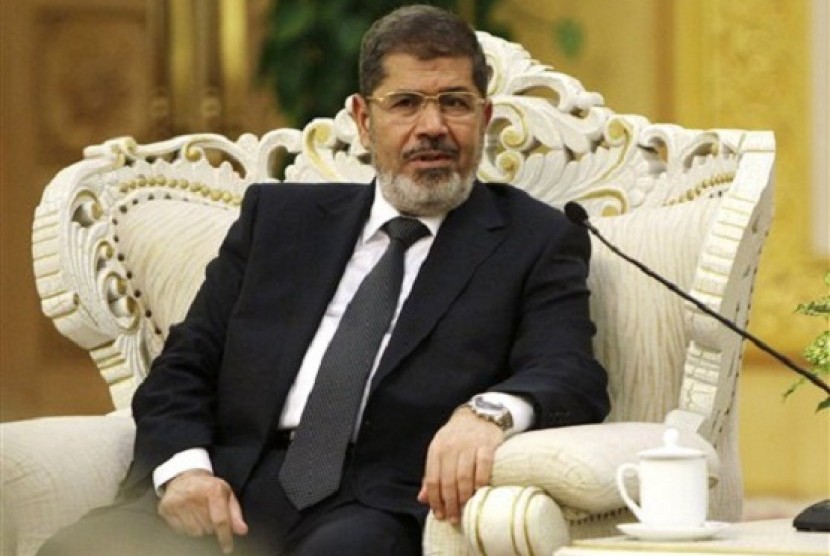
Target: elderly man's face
(426, 151)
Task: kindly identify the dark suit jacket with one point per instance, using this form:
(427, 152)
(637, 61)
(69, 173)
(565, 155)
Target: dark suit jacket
(500, 304)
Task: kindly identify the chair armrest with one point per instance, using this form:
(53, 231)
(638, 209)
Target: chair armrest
(54, 470)
(577, 465)
(544, 479)
(500, 521)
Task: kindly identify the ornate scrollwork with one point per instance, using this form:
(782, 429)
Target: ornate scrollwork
(548, 135)
(83, 276)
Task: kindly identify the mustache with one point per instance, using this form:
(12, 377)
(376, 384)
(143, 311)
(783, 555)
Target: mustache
(431, 146)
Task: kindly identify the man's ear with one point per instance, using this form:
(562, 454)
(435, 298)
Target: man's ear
(487, 112)
(360, 112)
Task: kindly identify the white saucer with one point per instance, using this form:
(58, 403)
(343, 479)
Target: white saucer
(649, 533)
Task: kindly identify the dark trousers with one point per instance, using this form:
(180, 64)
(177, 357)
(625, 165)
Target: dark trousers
(339, 525)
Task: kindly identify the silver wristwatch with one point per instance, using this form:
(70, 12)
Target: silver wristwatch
(491, 411)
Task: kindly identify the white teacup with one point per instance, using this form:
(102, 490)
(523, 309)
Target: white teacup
(673, 485)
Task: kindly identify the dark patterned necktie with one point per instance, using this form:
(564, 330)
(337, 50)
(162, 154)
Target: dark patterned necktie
(313, 465)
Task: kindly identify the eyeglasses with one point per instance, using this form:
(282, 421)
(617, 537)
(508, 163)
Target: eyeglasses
(406, 104)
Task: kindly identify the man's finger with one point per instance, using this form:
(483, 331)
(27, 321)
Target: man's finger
(422, 497)
(175, 523)
(432, 483)
(221, 519)
(193, 526)
(238, 524)
(466, 476)
(449, 486)
(182, 522)
(484, 467)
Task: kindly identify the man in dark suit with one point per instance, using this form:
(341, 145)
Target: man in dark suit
(489, 335)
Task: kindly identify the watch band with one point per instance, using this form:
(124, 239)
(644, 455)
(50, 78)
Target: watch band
(491, 412)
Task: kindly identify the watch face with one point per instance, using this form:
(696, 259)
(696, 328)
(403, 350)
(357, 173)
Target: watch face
(494, 412)
(488, 406)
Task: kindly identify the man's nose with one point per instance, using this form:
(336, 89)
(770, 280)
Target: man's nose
(430, 120)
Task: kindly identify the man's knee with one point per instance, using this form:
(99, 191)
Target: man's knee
(91, 536)
(119, 531)
(64, 543)
(357, 533)
(328, 542)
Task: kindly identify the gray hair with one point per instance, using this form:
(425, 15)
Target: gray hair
(425, 32)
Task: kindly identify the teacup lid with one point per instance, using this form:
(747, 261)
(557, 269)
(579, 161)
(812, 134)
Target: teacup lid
(670, 448)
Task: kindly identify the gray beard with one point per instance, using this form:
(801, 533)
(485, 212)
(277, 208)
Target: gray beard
(432, 193)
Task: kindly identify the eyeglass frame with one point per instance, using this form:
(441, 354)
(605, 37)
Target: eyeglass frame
(425, 99)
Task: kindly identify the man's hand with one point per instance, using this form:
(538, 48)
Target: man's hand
(196, 503)
(459, 462)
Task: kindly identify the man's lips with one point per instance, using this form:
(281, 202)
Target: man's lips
(431, 157)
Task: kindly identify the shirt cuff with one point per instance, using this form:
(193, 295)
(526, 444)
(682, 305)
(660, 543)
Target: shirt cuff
(520, 410)
(194, 458)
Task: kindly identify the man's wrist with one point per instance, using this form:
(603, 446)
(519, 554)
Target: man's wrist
(491, 411)
(186, 474)
(194, 458)
(520, 407)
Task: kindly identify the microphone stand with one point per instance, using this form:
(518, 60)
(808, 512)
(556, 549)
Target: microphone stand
(577, 214)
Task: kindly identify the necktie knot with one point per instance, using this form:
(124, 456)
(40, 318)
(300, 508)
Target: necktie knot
(406, 230)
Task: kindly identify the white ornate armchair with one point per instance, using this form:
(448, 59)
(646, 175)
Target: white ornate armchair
(121, 238)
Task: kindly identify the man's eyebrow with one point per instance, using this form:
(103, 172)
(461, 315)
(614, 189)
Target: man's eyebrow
(450, 89)
(458, 89)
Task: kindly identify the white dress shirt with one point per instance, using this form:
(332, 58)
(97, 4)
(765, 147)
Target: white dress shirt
(369, 248)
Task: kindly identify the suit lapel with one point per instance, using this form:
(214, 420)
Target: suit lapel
(313, 252)
(466, 238)
(326, 243)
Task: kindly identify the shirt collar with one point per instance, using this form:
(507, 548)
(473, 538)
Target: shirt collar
(382, 212)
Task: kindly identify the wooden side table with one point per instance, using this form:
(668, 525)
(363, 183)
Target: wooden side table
(767, 538)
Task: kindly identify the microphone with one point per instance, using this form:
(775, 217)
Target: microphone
(577, 214)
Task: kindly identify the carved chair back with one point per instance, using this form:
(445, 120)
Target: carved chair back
(121, 238)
